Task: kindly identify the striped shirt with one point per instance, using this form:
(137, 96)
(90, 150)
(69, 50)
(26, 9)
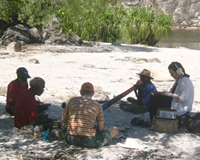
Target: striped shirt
(80, 115)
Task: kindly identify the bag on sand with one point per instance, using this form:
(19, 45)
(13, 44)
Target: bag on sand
(192, 124)
(165, 121)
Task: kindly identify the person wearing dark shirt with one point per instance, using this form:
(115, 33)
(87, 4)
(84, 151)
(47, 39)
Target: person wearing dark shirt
(143, 94)
(15, 87)
(26, 110)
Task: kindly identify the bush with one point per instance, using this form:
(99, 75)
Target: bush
(142, 25)
(95, 20)
(9, 10)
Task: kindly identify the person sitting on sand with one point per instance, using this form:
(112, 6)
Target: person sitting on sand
(26, 106)
(79, 117)
(15, 87)
(180, 97)
(143, 94)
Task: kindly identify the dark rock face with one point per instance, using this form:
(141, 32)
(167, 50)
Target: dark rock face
(50, 35)
(19, 33)
(53, 35)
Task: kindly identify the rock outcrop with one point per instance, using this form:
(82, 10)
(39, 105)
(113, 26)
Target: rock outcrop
(185, 13)
(20, 33)
(50, 35)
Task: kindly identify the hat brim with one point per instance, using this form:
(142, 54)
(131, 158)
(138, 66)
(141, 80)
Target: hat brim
(26, 76)
(144, 75)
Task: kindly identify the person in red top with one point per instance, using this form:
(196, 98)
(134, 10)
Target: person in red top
(26, 110)
(15, 87)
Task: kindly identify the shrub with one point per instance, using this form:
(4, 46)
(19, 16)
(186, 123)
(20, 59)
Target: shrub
(95, 20)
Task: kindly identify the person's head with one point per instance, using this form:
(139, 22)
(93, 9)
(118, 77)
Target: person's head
(87, 89)
(176, 70)
(22, 75)
(145, 76)
(37, 85)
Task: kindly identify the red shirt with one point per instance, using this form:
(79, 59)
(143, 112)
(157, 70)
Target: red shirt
(25, 109)
(14, 88)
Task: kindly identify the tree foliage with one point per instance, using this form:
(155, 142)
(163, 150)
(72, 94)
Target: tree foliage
(95, 20)
(9, 10)
(36, 12)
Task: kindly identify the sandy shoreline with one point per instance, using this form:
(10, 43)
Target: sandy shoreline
(112, 70)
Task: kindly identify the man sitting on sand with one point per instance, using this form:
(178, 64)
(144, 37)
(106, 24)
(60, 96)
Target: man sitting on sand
(79, 118)
(15, 87)
(143, 94)
(26, 107)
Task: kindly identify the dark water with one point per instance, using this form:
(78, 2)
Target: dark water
(182, 38)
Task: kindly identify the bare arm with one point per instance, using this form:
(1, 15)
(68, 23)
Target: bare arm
(65, 115)
(170, 94)
(165, 93)
(100, 126)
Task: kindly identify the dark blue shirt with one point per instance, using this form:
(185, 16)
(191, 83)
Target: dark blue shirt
(145, 93)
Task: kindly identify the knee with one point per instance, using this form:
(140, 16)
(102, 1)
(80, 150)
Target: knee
(114, 131)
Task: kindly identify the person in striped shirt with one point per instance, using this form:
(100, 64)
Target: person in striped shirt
(83, 121)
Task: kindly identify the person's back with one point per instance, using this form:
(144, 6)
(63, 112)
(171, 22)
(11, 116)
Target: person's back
(83, 112)
(25, 109)
(15, 87)
(79, 118)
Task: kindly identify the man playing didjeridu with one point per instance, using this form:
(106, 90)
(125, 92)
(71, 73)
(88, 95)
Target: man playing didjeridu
(143, 94)
(79, 117)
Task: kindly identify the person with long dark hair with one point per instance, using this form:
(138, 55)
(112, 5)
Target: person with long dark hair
(181, 95)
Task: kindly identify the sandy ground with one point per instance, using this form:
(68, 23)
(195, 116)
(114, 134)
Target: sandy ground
(112, 70)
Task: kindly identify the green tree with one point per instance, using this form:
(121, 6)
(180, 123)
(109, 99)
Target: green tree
(85, 17)
(9, 10)
(97, 20)
(36, 12)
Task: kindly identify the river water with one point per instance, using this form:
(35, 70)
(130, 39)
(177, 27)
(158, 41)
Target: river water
(182, 38)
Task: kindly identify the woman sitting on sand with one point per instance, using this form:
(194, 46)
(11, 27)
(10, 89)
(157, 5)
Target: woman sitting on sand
(181, 95)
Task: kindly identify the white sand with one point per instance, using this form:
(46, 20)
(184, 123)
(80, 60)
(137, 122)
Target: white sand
(112, 70)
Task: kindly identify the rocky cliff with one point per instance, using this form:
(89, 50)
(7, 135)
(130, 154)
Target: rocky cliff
(185, 13)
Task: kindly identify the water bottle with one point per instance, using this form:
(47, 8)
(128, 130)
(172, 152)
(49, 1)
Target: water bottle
(36, 132)
(46, 134)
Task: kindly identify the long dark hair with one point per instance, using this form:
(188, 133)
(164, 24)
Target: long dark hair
(175, 66)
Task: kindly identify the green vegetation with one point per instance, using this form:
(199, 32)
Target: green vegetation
(95, 20)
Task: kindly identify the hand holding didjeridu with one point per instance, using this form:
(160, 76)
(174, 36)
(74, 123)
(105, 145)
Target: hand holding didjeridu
(138, 83)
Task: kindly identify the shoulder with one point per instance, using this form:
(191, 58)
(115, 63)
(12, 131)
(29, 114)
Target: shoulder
(14, 82)
(96, 103)
(186, 80)
(150, 84)
(75, 99)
